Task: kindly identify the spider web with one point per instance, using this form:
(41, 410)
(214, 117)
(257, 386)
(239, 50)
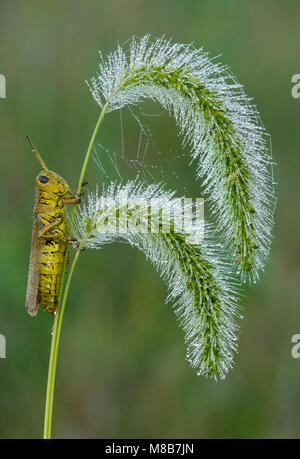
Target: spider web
(146, 161)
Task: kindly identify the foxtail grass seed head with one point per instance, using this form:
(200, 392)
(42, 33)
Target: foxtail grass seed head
(220, 124)
(229, 146)
(199, 285)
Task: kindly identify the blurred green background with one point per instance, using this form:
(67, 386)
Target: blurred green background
(122, 369)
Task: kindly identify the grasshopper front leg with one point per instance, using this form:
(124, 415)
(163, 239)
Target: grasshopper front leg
(69, 198)
(72, 197)
(73, 201)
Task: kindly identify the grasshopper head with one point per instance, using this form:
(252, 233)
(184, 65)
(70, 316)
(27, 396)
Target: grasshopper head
(47, 180)
(52, 182)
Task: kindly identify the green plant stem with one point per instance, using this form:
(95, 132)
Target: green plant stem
(90, 147)
(64, 294)
(54, 353)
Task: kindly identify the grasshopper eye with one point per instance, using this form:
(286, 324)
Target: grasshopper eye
(43, 179)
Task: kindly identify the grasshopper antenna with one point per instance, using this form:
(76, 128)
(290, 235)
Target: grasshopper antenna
(37, 154)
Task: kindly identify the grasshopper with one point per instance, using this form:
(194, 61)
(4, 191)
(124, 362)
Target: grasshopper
(49, 239)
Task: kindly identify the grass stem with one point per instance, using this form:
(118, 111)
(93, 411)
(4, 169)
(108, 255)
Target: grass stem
(64, 294)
